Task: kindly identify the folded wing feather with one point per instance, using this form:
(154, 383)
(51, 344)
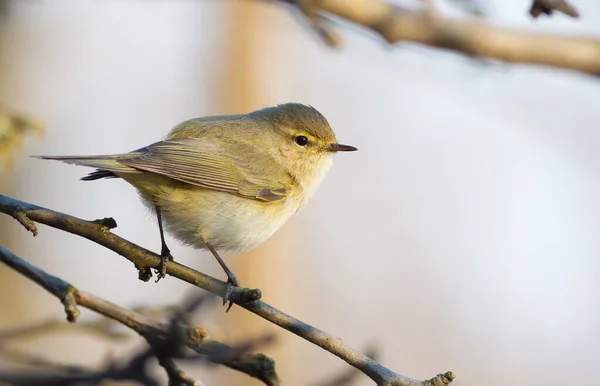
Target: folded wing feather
(216, 165)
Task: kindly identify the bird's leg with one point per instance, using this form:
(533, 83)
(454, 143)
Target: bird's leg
(232, 281)
(165, 253)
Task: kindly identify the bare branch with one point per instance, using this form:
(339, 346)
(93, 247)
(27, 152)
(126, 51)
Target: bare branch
(255, 365)
(143, 258)
(471, 36)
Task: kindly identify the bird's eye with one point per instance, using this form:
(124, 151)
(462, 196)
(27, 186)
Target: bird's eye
(301, 140)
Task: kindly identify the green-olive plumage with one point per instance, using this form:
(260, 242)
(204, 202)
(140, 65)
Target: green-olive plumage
(228, 181)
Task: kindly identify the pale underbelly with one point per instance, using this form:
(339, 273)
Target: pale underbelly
(198, 216)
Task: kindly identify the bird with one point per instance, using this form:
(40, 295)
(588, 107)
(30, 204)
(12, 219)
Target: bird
(226, 182)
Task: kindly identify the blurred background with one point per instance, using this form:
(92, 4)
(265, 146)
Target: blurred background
(463, 235)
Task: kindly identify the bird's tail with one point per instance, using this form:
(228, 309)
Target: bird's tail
(106, 165)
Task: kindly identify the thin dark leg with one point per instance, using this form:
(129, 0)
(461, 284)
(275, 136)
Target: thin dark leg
(230, 276)
(165, 253)
(232, 281)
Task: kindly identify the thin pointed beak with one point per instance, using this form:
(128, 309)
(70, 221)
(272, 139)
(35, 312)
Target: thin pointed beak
(339, 147)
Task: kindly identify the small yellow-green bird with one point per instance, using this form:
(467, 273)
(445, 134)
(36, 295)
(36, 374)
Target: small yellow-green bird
(226, 182)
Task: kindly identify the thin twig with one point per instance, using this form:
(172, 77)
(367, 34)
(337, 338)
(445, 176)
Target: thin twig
(26, 222)
(143, 258)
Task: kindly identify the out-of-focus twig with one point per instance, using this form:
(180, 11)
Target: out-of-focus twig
(133, 370)
(319, 24)
(14, 128)
(37, 361)
(547, 7)
(101, 327)
(468, 36)
(144, 259)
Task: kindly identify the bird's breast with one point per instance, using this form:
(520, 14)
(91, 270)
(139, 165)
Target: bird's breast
(311, 180)
(227, 222)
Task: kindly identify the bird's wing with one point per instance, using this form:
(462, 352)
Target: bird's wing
(219, 165)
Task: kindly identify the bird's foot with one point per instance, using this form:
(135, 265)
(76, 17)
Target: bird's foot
(232, 281)
(165, 257)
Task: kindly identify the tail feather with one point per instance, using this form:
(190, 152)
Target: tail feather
(106, 165)
(98, 174)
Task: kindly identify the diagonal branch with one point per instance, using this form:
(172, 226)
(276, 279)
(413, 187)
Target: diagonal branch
(142, 258)
(256, 365)
(470, 36)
